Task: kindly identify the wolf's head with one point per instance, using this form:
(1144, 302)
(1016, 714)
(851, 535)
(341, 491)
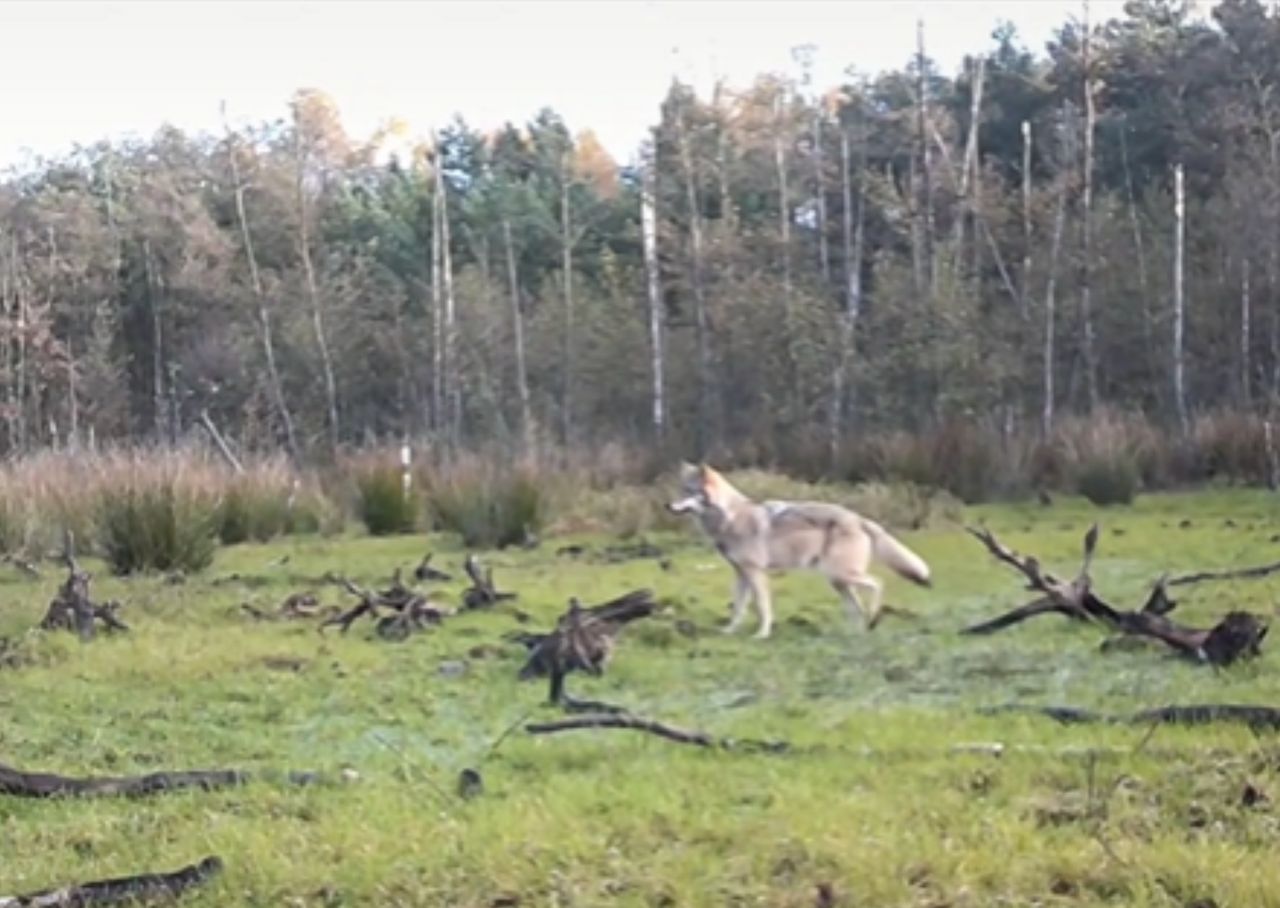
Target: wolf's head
(701, 489)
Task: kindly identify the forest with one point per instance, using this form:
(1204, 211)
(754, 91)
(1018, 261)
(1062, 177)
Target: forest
(1055, 240)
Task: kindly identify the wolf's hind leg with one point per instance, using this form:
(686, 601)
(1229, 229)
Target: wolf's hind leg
(853, 606)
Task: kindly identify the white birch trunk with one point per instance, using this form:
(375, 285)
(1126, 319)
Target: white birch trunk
(1179, 301)
(649, 230)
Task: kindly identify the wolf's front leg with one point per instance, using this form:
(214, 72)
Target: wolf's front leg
(760, 593)
(741, 592)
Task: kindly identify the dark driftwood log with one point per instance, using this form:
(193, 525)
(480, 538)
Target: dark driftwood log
(583, 639)
(134, 890)
(1256, 717)
(482, 593)
(20, 784)
(1238, 635)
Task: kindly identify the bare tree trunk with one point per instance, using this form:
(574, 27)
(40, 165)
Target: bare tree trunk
(969, 175)
(73, 396)
(157, 342)
(1246, 342)
(7, 308)
(792, 394)
(853, 244)
(21, 305)
(517, 329)
(925, 204)
(449, 363)
(649, 229)
(699, 292)
(728, 211)
(784, 202)
(1086, 280)
(1179, 303)
(313, 292)
(820, 182)
(264, 317)
(438, 379)
(566, 269)
(1138, 246)
(1050, 307)
(1027, 229)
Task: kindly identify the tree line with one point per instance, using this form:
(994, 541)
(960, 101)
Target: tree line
(1092, 225)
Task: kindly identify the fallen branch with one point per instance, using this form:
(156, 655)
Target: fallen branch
(220, 442)
(20, 784)
(616, 720)
(1238, 635)
(653, 727)
(1238, 574)
(135, 890)
(1256, 717)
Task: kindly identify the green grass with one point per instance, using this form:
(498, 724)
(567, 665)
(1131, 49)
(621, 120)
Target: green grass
(875, 802)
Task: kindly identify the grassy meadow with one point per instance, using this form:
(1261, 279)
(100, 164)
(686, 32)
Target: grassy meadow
(891, 795)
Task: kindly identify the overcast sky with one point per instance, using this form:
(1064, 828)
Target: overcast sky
(81, 71)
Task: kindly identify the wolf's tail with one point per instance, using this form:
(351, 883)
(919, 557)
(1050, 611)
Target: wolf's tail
(897, 556)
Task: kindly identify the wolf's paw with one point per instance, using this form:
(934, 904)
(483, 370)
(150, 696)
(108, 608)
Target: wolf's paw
(762, 634)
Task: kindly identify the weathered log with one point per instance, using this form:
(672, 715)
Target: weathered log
(1259, 718)
(133, 890)
(21, 784)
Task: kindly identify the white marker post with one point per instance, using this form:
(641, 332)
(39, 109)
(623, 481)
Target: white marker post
(406, 478)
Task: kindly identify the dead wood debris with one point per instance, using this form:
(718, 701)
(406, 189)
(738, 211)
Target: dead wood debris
(295, 606)
(583, 639)
(1258, 718)
(654, 727)
(482, 593)
(21, 784)
(613, 554)
(410, 611)
(73, 610)
(1238, 635)
(424, 571)
(25, 565)
(134, 890)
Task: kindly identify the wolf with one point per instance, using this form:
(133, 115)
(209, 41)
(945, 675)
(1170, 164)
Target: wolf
(762, 537)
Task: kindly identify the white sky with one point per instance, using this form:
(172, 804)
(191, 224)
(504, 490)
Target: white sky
(81, 71)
